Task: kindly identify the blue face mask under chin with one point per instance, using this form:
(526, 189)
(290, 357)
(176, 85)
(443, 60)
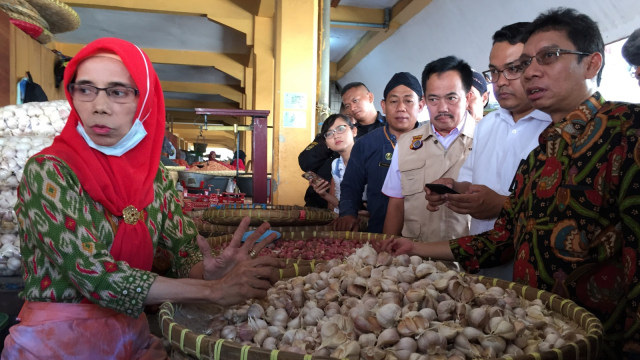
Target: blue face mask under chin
(128, 142)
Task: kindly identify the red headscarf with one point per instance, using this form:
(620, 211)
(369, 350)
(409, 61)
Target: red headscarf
(118, 182)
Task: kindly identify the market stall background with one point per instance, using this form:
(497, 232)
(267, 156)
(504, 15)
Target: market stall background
(257, 54)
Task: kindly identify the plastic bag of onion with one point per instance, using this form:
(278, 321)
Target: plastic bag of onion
(374, 306)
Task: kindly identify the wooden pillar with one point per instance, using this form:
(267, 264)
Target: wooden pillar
(263, 79)
(323, 107)
(295, 95)
(246, 136)
(260, 163)
(5, 60)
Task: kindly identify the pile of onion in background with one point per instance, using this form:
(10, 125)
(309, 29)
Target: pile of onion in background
(314, 248)
(24, 131)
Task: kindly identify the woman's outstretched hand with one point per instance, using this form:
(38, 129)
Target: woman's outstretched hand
(249, 279)
(235, 252)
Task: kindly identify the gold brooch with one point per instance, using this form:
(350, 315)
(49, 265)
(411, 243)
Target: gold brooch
(131, 215)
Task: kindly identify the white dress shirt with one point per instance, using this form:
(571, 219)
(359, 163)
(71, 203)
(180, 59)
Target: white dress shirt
(499, 144)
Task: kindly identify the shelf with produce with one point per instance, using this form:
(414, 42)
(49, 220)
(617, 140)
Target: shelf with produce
(25, 130)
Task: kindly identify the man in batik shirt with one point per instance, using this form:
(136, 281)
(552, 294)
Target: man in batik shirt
(573, 213)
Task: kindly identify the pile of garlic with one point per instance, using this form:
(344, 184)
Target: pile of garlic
(15, 153)
(9, 254)
(24, 130)
(374, 307)
(38, 118)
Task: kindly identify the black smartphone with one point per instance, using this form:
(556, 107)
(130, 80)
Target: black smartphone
(440, 189)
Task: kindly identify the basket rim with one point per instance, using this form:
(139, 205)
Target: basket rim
(209, 348)
(278, 216)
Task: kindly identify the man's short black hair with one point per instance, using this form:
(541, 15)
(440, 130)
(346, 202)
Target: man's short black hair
(352, 85)
(631, 48)
(515, 33)
(581, 30)
(445, 64)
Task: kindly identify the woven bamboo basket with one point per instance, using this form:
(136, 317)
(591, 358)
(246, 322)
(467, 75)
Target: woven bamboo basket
(276, 215)
(583, 349)
(176, 168)
(208, 229)
(195, 214)
(214, 172)
(202, 346)
(173, 172)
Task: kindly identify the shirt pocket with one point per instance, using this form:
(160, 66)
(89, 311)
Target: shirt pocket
(412, 179)
(411, 229)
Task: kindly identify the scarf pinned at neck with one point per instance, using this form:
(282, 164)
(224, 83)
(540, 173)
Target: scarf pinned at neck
(122, 184)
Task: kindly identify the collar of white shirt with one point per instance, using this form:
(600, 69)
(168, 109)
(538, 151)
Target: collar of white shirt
(446, 140)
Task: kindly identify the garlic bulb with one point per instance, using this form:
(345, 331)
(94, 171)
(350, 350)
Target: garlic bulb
(388, 314)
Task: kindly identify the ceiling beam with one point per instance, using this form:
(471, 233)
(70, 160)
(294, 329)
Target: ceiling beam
(192, 104)
(231, 64)
(357, 15)
(211, 129)
(226, 91)
(224, 12)
(192, 119)
(402, 12)
(266, 8)
(333, 71)
(214, 138)
(262, 8)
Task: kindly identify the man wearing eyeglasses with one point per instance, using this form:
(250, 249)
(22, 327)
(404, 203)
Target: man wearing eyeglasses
(631, 53)
(501, 140)
(430, 152)
(317, 157)
(573, 213)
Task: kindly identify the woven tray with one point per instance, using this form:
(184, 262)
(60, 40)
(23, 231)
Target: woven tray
(583, 349)
(202, 346)
(216, 172)
(208, 229)
(176, 168)
(276, 215)
(206, 347)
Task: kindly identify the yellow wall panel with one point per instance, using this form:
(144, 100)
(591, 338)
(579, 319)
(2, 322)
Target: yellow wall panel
(296, 75)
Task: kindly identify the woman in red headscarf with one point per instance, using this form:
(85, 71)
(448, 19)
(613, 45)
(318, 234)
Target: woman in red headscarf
(94, 207)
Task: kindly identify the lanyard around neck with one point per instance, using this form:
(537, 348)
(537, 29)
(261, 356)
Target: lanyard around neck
(388, 138)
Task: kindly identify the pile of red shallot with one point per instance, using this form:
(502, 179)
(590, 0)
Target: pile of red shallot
(374, 306)
(313, 248)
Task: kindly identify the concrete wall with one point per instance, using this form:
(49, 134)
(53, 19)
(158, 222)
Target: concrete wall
(464, 28)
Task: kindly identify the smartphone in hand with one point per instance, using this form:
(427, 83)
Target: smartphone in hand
(440, 189)
(310, 175)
